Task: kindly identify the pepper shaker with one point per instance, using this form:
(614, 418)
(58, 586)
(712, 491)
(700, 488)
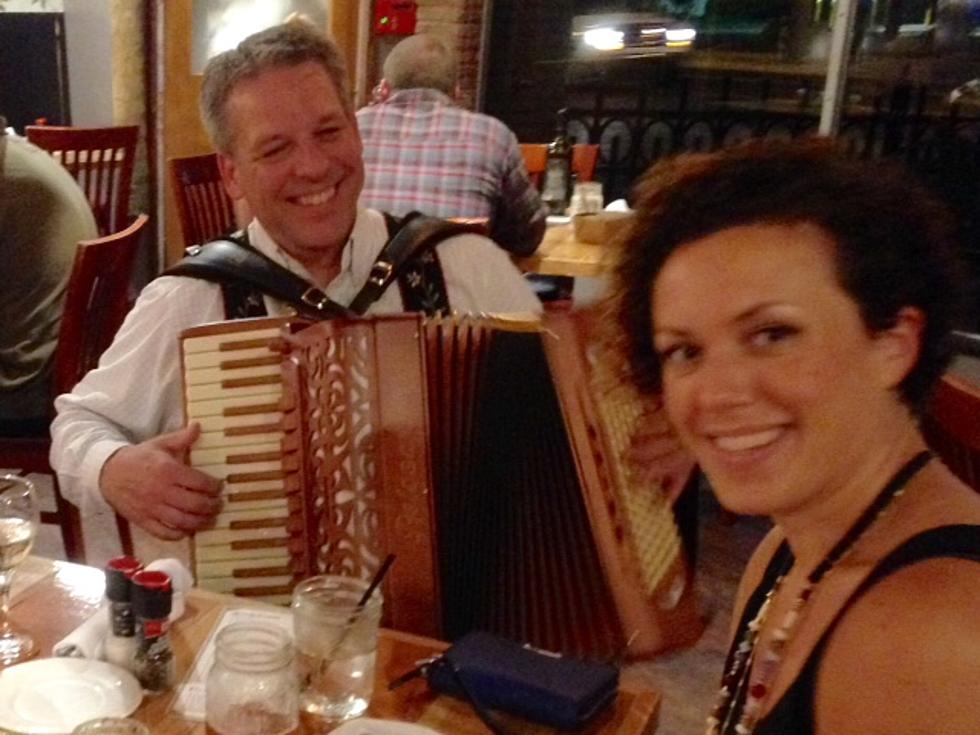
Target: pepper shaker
(154, 660)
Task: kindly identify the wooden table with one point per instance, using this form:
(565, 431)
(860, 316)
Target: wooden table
(560, 254)
(54, 606)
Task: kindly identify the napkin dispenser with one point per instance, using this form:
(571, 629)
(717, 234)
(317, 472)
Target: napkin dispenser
(498, 674)
(601, 228)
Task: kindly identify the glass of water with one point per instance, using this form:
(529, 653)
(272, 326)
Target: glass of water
(336, 646)
(587, 198)
(19, 518)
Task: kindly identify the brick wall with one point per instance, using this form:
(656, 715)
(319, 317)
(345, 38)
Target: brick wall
(459, 23)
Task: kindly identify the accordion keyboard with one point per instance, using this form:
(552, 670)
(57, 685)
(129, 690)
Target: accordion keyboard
(233, 389)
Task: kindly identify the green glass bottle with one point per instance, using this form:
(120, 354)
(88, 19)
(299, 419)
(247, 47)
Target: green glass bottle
(557, 188)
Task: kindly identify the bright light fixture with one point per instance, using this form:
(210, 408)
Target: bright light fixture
(603, 39)
(680, 35)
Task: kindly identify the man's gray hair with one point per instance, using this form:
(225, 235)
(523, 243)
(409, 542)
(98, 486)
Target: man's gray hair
(288, 44)
(421, 61)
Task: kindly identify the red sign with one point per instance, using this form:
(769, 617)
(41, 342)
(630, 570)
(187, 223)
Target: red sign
(395, 17)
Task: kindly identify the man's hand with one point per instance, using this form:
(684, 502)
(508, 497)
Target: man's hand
(657, 455)
(150, 485)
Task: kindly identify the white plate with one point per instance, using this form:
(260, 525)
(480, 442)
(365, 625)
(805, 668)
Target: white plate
(369, 726)
(50, 696)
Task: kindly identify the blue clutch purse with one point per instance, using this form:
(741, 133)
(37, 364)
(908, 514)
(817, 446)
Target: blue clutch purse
(493, 673)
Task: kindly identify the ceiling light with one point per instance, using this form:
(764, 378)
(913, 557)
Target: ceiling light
(603, 39)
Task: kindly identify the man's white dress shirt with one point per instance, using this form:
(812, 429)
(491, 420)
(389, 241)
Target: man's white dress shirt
(135, 393)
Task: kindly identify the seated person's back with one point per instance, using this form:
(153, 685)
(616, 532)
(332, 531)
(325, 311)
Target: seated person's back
(43, 215)
(422, 152)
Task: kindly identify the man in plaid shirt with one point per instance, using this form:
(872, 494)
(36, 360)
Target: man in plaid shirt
(422, 152)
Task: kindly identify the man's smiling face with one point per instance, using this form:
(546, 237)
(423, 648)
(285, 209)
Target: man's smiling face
(295, 158)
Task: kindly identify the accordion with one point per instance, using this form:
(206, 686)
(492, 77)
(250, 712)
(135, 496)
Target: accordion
(485, 454)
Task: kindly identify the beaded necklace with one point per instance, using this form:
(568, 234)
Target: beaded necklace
(736, 679)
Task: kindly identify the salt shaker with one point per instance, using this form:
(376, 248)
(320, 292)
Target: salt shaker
(153, 662)
(120, 644)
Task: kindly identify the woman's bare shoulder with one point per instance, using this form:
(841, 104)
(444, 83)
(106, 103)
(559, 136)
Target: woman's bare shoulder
(906, 656)
(754, 570)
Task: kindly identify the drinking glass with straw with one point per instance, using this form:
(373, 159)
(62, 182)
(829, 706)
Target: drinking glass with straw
(335, 622)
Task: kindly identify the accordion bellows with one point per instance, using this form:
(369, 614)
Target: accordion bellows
(485, 454)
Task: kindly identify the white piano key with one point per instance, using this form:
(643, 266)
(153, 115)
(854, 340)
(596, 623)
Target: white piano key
(199, 394)
(201, 458)
(219, 536)
(214, 342)
(225, 518)
(222, 471)
(277, 555)
(274, 507)
(258, 402)
(271, 506)
(196, 360)
(210, 376)
(228, 567)
(232, 489)
(228, 585)
(219, 440)
(219, 423)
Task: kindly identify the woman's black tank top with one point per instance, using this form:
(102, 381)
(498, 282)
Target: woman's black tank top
(793, 714)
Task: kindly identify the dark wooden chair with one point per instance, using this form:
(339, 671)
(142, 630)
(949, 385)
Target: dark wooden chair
(101, 160)
(95, 305)
(204, 208)
(952, 427)
(585, 156)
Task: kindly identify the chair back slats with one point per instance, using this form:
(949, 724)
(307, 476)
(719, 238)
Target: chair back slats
(96, 302)
(204, 208)
(101, 160)
(584, 160)
(535, 161)
(952, 427)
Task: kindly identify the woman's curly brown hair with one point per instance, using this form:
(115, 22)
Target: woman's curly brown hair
(894, 242)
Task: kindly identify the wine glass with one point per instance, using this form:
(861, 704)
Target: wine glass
(19, 518)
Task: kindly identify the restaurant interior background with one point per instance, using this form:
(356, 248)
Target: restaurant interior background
(908, 74)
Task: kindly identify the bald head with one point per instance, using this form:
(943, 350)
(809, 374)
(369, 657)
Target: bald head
(421, 61)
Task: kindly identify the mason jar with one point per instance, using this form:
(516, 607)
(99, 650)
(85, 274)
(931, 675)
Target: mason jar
(251, 687)
(336, 646)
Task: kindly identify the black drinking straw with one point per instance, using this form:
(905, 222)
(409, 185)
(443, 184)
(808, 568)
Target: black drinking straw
(375, 582)
(378, 577)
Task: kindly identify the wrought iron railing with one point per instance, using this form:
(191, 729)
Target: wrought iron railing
(635, 126)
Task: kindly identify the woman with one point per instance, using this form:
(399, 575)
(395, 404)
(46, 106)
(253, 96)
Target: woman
(793, 308)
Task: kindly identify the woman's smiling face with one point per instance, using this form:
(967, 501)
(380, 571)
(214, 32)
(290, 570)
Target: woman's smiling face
(770, 376)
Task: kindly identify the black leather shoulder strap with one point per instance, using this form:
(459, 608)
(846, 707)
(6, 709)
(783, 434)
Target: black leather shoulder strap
(409, 238)
(233, 261)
